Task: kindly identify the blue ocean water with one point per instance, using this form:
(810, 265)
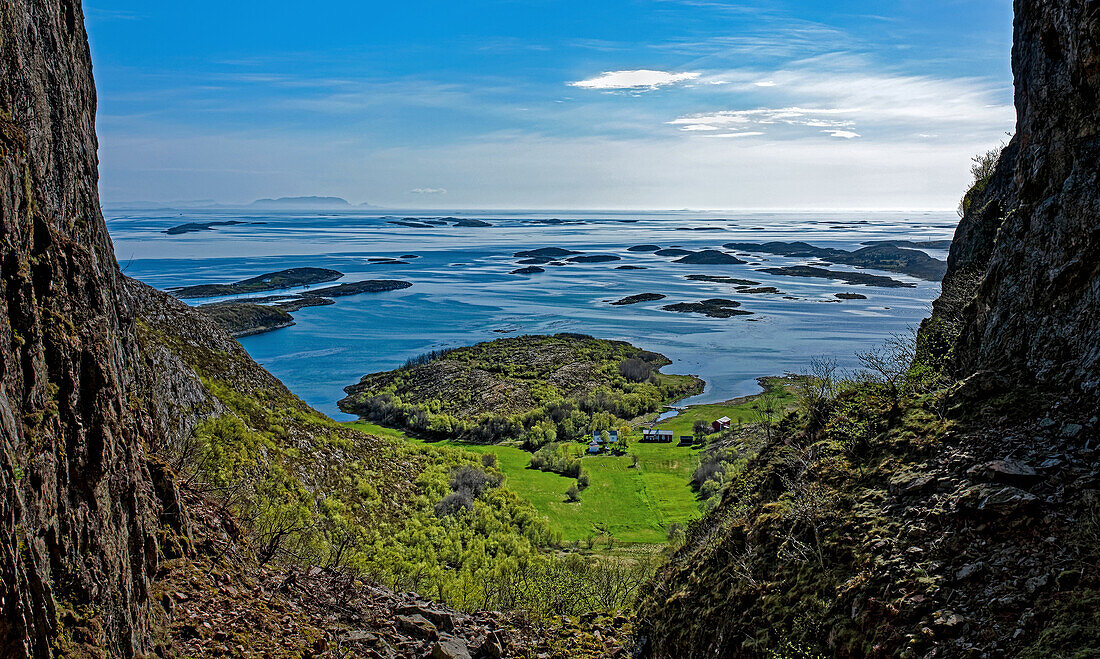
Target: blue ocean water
(463, 291)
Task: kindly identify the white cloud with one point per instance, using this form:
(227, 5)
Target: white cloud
(843, 94)
(740, 119)
(430, 191)
(638, 79)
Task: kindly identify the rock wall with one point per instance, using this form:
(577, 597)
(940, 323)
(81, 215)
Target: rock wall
(1022, 293)
(77, 505)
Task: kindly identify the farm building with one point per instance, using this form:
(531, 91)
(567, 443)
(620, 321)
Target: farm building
(613, 437)
(596, 437)
(687, 439)
(721, 424)
(656, 435)
(593, 448)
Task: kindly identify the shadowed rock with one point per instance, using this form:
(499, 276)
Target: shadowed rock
(641, 297)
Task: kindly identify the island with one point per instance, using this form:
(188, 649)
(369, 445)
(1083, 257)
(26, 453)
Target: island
(912, 244)
(303, 203)
(839, 275)
(472, 223)
(192, 227)
(714, 308)
(529, 270)
(710, 257)
(534, 389)
(849, 296)
(552, 252)
(748, 290)
(720, 279)
(265, 314)
(594, 258)
(643, 248)
(271, 281)
(672, 251)
(881, 256)
(640, 297)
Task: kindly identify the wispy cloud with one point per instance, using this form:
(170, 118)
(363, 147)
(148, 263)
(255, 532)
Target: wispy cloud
(637, 79)
(428, 191)
(842, 93)
(738, 119)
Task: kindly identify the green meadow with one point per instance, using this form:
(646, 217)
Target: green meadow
(632, 504)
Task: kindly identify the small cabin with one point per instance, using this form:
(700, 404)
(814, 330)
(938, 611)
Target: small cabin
(721, 424)
(686, 440)
(593, 448)
(613, 437)
(656, 435)
(597, 438)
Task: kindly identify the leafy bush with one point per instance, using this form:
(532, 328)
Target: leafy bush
(453, 503)
(982, 167)
(715, 471)
(470, 480)
(573, 494)
(558, 458)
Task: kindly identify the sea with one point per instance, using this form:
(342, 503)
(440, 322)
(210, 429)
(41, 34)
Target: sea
(464, 290)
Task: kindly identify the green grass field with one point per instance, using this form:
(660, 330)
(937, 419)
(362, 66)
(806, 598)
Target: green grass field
(634, 505)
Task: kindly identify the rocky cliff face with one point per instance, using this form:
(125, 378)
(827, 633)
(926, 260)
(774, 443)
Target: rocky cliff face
(77, 506)
(1022, 294)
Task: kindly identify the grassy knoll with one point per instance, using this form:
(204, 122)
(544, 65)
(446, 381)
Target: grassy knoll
(538, 389)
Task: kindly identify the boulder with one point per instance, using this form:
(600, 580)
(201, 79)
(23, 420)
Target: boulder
(417, 625)
(450, 647)
(1008, 472)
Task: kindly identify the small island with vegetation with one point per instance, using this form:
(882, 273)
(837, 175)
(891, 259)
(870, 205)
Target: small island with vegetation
(536, 389)
(257, 315)
(271, 281)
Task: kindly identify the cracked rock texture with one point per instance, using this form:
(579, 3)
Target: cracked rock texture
(1022, 292)
(77, 506)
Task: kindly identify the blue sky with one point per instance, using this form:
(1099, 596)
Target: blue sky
(786, 104)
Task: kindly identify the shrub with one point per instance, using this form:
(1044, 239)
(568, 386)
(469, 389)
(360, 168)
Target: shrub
(468, 480)
(582, 480)
(701, 428)
(489, 460)
(573, 494)
(635, 370)
(453, 503)
(982, 167)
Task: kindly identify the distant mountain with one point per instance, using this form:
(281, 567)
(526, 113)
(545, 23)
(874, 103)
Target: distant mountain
(302, 202)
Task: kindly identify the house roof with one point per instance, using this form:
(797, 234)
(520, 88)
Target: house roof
(724, 419)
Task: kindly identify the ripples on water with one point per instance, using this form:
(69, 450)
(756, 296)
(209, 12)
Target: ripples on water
(462, 290)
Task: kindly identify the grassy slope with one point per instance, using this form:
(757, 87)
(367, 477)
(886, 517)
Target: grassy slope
(632, 505)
